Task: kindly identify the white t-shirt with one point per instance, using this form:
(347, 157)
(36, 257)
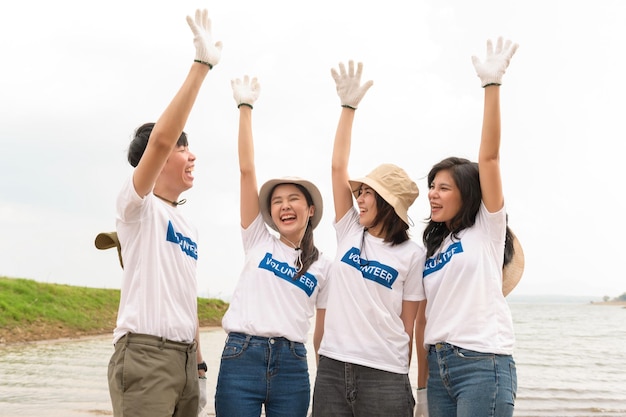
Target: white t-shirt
(267, 300)
(363, 324)
(159, 288)
(463, 286)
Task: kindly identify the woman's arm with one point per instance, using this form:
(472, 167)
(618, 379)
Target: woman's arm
(350, 92)
(319, 331)
(409, 311)
(342, 195)
(490, 72)
(489, 152)
(422, 357)
(246, 92)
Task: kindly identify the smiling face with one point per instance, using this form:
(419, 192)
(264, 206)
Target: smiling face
(444, 197)
(177, 174)
(368, 210)
(290, 211)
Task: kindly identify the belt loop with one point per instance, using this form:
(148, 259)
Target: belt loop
(127, 341)
(247, 342)
(162, 343)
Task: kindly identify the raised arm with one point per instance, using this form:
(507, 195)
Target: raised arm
(171, 123)
(246, 92)
(350, 92)
(490, 72)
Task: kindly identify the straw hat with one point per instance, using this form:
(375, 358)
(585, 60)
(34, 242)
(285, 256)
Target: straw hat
(107, 241)
(512, 272)
(393, 184)
(266, 191)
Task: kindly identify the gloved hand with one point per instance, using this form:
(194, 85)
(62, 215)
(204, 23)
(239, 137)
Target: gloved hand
(207, 52)
(245, 92)
(421, 406)
(202, 401)
(349, 86)
(492, 69)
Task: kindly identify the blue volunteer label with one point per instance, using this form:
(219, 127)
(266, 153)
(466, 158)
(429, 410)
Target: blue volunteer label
(306, 282)
(440, 260)
(187, 245)
(372, 270)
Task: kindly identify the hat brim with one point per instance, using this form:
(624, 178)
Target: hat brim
(512, 272)
(268, 187)
(392, 200)
(108, 240)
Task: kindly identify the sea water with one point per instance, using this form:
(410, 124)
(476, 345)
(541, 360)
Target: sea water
(571, 362)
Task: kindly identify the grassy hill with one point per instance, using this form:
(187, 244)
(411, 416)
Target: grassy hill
(31, 311)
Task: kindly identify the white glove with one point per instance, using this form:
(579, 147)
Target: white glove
(421, 406)
(245, 92)
(202, 401)
(207, 52)
(492, 69)
(349, 88)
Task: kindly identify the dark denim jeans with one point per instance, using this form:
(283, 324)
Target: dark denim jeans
(257, 371)
(347, 390)
(464, 383)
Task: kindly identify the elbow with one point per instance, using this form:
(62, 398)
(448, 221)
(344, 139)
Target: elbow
(247, 171)
(160, 141)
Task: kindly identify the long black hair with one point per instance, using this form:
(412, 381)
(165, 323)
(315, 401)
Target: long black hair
(465, 175)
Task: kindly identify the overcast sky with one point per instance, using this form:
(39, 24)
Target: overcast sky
(78, 77)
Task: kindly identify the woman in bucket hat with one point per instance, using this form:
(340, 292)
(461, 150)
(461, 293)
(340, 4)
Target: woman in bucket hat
(375, 286)
(264, 361)
(469, 331)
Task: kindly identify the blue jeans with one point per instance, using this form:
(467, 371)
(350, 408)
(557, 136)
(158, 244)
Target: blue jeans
(257, 371)
(346, 390)
(464, 383)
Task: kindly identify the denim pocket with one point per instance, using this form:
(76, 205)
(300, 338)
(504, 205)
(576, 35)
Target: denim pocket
(299, 350)
(472, 354)
(233, 348)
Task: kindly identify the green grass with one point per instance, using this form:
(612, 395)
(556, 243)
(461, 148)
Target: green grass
(30, 310)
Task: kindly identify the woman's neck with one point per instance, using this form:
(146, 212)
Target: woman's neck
(376, 231)
(295, 243)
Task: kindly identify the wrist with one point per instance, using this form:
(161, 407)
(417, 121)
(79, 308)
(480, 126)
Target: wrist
(245, 104)
(204, 63)
(202, 366)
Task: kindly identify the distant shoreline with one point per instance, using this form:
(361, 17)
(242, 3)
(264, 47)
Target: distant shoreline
(609, 303)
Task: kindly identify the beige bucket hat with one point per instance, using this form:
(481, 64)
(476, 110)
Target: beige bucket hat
(268, 187)
(107, 240)
(393, 184)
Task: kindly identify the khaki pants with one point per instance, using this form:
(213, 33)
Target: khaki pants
(152, 376)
